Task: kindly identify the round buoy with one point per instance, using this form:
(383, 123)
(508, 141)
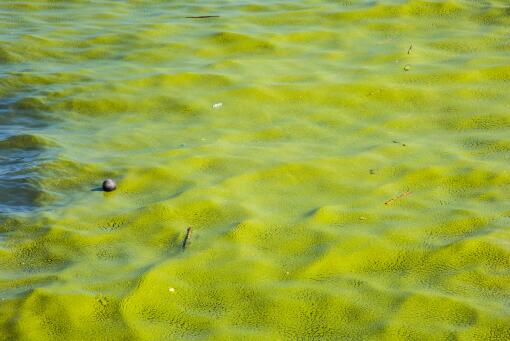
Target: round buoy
(109, 185)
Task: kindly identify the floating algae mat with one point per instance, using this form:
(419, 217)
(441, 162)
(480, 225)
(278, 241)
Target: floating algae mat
(343, 167)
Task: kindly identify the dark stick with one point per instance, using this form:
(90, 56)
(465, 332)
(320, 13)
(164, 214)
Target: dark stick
(186, 239)
(203, 16)
(410, 48)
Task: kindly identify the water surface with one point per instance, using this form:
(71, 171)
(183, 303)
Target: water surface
(280, 132)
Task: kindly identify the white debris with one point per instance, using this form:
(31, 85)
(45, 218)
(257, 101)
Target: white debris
(217, 105)
(171, 289)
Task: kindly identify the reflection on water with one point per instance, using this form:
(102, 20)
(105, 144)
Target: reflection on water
(21, 154)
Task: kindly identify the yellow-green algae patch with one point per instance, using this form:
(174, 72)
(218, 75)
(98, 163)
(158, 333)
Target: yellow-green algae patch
(343, 167)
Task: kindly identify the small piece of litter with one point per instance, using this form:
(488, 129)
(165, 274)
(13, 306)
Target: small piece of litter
(407, 67)
(362, 218)
(217, 105)
(171, 289)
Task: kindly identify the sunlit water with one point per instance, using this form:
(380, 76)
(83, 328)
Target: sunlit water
(343, 166)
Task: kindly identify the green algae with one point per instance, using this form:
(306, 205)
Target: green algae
(284, 184)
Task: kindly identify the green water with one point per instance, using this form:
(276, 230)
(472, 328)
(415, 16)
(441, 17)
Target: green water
(277, 131)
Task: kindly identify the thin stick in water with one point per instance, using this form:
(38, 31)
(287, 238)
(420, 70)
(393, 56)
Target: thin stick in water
(186, 238)
(202, 16)
(403, 195)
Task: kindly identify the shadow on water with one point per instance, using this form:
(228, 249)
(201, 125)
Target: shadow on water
(97, 189)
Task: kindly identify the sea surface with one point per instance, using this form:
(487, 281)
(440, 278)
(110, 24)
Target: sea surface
(343, 165)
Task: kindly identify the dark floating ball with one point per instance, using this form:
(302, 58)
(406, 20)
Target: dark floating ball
(109, 185)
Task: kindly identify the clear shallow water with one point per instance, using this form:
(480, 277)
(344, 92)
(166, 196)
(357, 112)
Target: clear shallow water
(329, 111)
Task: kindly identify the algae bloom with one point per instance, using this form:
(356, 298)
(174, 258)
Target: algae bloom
(343, 166)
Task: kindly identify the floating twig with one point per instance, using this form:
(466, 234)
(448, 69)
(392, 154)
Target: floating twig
(202, 16)
(186, 238)
(403, 195)
(410, 48)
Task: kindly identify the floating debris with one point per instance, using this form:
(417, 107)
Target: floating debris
(217, 105)
(403, 195)
(402, 144)
(186, 238)
(109, 185)
(407, 67)
(372, 171)
(202, 16)
(171, 289)
(410, 48)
